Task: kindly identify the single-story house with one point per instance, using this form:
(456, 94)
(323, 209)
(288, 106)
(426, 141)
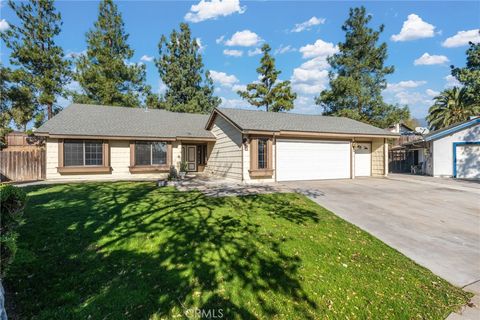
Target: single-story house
(451, 152)
(101, 142)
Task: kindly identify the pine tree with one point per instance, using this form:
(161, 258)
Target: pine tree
(358, 75)
(469, 76)
(5, 114)
(180, 66)
(42, 68)
(104, 73)
(268, 93)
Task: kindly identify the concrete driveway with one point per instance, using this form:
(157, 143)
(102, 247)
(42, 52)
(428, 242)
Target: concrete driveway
(435, 222)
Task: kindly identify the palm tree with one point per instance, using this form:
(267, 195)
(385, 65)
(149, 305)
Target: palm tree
(451, 106)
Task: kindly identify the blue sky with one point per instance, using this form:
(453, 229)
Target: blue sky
(424, 39)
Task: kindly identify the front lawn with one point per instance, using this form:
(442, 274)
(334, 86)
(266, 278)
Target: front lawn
(134, 251)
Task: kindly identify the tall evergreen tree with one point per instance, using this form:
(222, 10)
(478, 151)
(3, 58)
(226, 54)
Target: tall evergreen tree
(180, 65)
(469, 76)
(274, 96)
(41, 65)
(5, 110)
(358, 75)
(104, 73)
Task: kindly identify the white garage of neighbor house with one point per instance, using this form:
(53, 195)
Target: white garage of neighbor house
(453, 151)
(102, 142)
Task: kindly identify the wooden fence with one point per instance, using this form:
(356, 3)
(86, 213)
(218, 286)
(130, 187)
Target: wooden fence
(27, 165)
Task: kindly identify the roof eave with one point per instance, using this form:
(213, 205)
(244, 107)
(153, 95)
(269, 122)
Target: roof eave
(211, 120)
(340, 134)
(455, 129)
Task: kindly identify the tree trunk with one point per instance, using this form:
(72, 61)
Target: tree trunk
(49, 111)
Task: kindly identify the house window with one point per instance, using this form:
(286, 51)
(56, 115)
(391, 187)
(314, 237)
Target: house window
(261, 165)
(262, 153)
(82, 153)
(149, 153)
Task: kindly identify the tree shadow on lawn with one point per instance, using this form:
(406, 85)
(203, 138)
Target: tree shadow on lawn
(120, 250)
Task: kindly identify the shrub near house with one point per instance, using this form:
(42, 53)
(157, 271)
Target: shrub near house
(12, 203)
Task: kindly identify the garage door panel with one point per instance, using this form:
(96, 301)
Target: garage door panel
(312, 160)
(468, 163)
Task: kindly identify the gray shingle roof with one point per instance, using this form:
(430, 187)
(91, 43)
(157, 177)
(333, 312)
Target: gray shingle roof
(279, 121)
(94, 120)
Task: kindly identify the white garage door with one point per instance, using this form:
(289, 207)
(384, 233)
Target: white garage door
(468, 161)
(312, 160)
(363, 159)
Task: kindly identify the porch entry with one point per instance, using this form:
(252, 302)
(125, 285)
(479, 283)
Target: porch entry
(195, 155)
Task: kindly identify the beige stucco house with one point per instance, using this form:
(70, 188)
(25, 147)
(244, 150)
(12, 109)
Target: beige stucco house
(101, 142)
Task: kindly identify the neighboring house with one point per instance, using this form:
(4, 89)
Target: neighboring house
(100, 142)
(401, 128)
(453, 151)
(402, 160)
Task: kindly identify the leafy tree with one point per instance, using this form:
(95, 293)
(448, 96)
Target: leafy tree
(268, 93)
(189, 88)
(450, 107)
(103, 72)
(469, 76)
(42, 67)
(358, 75)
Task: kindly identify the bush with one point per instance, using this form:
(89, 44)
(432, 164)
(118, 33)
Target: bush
(12, 203)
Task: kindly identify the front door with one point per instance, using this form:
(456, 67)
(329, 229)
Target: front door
(192, 158)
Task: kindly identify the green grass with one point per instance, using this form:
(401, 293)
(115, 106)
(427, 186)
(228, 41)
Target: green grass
(135, 251)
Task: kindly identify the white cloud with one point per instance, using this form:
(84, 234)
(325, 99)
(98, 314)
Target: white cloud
(4, 26)
(316, 63)
(201, 47)
(311, 77)
(254, 52)
(432, 93)
(239, 87)
(223, 79)
(427, 59)
(245, 38)
(414, 28)
(451, 81)
(306, 104)
(284, 49)
(162, 87)
(232, 103)
(206, 10)
(75, 54)
(319, 48)
(412, 98)
(462, 38)
(219, 39)
(233, 53)
(146, 58)
(307, 25)
(402, 85)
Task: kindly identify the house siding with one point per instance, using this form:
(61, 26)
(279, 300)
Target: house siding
(443, 150)
(226, 155)
(119, 162)
(379, 157)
